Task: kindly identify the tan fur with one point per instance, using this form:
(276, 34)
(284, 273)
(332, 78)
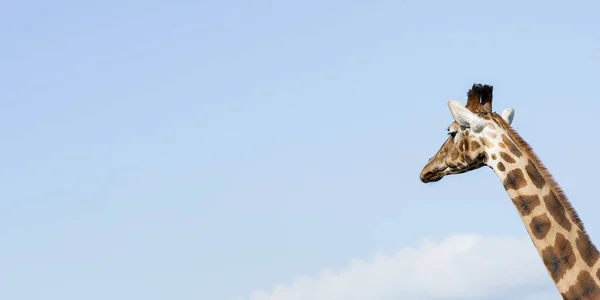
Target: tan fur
(541, 168)
(570, 257)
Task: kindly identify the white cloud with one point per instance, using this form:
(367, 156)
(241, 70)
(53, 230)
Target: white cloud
(462, 266)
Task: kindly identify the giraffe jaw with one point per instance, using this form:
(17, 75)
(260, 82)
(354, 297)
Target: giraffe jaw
(440, 172)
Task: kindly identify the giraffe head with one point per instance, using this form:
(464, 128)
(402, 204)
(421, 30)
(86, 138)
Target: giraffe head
(468, 146)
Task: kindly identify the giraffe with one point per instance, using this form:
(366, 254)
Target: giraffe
(479, 137)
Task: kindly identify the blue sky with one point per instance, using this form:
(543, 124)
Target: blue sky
(179, 150)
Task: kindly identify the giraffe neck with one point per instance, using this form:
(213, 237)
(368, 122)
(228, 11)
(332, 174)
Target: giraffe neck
(566, 250)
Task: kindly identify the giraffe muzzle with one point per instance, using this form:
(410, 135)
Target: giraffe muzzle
(432, 176)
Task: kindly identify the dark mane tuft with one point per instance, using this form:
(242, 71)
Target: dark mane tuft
(479, 98)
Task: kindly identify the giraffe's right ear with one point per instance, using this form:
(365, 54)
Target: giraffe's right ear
(464, 117)
(508, 115)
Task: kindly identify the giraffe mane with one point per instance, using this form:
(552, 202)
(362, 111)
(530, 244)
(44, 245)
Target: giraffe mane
(523, 145)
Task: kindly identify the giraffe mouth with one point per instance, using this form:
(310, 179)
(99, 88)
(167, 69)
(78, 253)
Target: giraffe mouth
(435, 175)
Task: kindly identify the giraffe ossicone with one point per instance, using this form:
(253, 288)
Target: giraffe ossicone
(508, 115)
(479, 137)
(464, 117)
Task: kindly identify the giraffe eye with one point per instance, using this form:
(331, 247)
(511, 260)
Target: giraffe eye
(452, 133)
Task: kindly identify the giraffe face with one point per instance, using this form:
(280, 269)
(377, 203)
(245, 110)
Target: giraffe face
(467, 145)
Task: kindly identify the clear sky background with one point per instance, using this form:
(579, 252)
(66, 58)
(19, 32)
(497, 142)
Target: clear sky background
(271, 149)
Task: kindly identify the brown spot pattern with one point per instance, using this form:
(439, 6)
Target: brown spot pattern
(515, 180)
(559, 258)
(526, 203)
(494, 156)
(492, 135)
(588, 251)
(557, 210)
(475, 145)
(598, 274)
(454, 155)
(486, 142)
(511, 146)
(540, 226)
(501, 166)
(584, 289)
(535, 175)
(507, 158)
(501, 144)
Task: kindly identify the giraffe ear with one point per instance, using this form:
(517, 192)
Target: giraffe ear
(464, 117)
(508, 115)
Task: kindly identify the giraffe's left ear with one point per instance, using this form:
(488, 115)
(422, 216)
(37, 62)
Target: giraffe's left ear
(508, 115)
